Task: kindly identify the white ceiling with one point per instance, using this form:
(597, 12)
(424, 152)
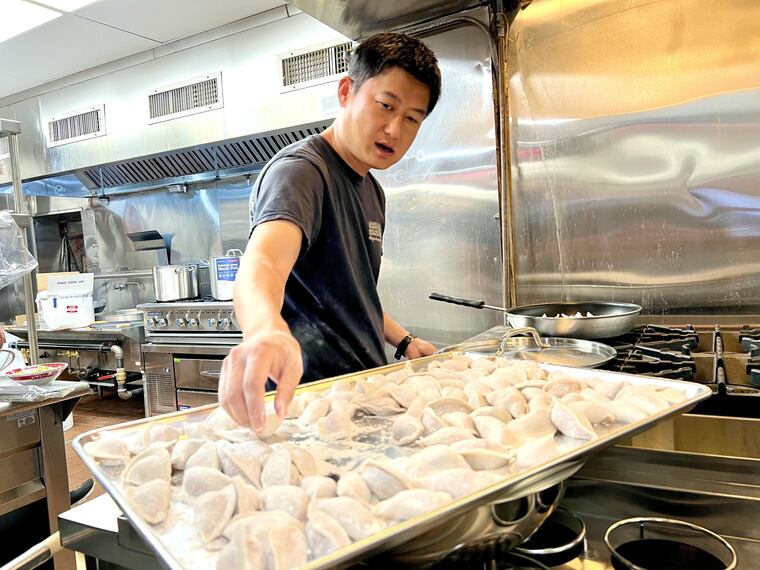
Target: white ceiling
(108, 30)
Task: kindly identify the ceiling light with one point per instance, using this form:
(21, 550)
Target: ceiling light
(65, 5)
(19, 17)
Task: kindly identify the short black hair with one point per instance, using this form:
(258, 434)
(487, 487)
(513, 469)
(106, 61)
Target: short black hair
(390, 49)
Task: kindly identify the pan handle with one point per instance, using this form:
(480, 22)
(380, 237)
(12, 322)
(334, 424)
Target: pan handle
(457, 300)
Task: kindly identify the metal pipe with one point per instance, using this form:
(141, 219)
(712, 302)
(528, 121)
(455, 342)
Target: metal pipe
(20, 207)
(121, 375)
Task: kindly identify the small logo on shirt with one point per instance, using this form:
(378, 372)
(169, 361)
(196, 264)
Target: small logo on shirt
(375, 232)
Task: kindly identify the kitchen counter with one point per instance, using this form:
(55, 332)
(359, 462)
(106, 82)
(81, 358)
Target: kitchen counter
(33, 460)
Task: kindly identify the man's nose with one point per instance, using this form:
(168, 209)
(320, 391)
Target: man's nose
(394, 126)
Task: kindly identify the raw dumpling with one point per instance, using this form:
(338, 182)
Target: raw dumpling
(354, 486)
(498, 413)
(198, 481)
(151, 500)
(446, 436)
(314, 410)
(279, 469)
(437, 458)
(236, 462)
(355, 518)
(571, 423)
(406, 429)
(482, 459)
(431, 420)
(443, 406)
(626, 412)
(459, 419)
(279, 537)
(537, 451)
(219, 421)
(510, 399)
(108, 450)
(383, 480)
(410, 503)
(271, 424)
(496, 431)
(563, 386)
(153, 463)
(204, 456)
(595, 412)
(212, 511)
(248, 497)
(293, 500)
(183, 450)
(335, 426)
(319, 486)
(534, 424)
(324, 534)
(382, 406)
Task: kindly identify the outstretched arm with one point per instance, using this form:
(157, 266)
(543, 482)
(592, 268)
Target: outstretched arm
(268, 350)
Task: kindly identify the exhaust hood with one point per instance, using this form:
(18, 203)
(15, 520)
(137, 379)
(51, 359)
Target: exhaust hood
(357, 19)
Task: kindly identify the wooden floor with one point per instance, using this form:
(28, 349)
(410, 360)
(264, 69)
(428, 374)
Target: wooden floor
(93, 412)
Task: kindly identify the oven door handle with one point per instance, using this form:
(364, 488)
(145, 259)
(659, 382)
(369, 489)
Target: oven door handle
(211, 373)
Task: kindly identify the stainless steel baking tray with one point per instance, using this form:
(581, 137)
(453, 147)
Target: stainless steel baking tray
(171, 549)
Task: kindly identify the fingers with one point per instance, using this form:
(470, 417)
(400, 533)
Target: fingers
(253, 382)
(289, 379)
(231, 395)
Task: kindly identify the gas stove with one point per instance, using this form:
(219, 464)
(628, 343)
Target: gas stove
(202, 320)
(725, 358)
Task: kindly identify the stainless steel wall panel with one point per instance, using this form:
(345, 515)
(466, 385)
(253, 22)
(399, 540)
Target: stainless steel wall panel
(442, 227)
(634, 146)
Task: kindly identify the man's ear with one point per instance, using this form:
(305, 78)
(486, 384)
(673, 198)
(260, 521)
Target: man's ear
(345, 87)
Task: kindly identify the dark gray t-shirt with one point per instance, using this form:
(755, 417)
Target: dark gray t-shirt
(331, 301)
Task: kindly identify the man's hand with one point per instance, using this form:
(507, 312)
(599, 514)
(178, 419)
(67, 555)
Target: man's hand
(275, 355)
(418, 348)
(2, 335)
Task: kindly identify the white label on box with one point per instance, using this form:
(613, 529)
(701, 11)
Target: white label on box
(79, 283)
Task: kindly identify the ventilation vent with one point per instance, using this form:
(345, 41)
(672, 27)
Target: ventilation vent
(5, 148)
(76, 126)
(247, 152)
(304, 68)
(187, 98)
(162, 397)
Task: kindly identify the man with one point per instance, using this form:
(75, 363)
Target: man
(306, 291)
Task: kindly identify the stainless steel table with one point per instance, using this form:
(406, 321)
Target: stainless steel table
(33, 460)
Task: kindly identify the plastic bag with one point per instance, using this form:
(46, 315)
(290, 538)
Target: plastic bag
(12, 391)
(15, 259)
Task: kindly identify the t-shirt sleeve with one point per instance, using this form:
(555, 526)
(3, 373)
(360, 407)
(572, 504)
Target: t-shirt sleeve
(291, 189)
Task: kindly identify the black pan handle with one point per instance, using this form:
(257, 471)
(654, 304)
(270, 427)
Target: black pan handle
(457, 301)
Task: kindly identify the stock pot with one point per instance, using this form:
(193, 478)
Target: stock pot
(175, 282)
(222, 273)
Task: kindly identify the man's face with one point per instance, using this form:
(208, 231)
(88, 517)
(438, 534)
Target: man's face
(382, 118)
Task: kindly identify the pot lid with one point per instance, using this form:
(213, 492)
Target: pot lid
(551, 350)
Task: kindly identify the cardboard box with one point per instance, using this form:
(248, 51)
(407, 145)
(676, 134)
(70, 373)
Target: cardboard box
(42, 278)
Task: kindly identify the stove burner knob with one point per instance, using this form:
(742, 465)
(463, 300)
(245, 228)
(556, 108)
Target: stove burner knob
(193, 322)
(225, 323)
(161, 322)
(181, 322)
(151, 322)
(212, 323)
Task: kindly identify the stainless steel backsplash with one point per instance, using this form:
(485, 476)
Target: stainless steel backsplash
(635, 141)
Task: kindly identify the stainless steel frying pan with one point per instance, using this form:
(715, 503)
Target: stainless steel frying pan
(608, 320)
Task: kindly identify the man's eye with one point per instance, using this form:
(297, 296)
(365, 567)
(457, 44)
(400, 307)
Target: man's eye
(385, 106)
(413, 120)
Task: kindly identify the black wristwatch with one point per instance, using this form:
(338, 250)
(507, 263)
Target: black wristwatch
(403, 345)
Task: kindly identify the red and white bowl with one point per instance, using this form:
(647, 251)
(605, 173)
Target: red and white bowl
(37, 375)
